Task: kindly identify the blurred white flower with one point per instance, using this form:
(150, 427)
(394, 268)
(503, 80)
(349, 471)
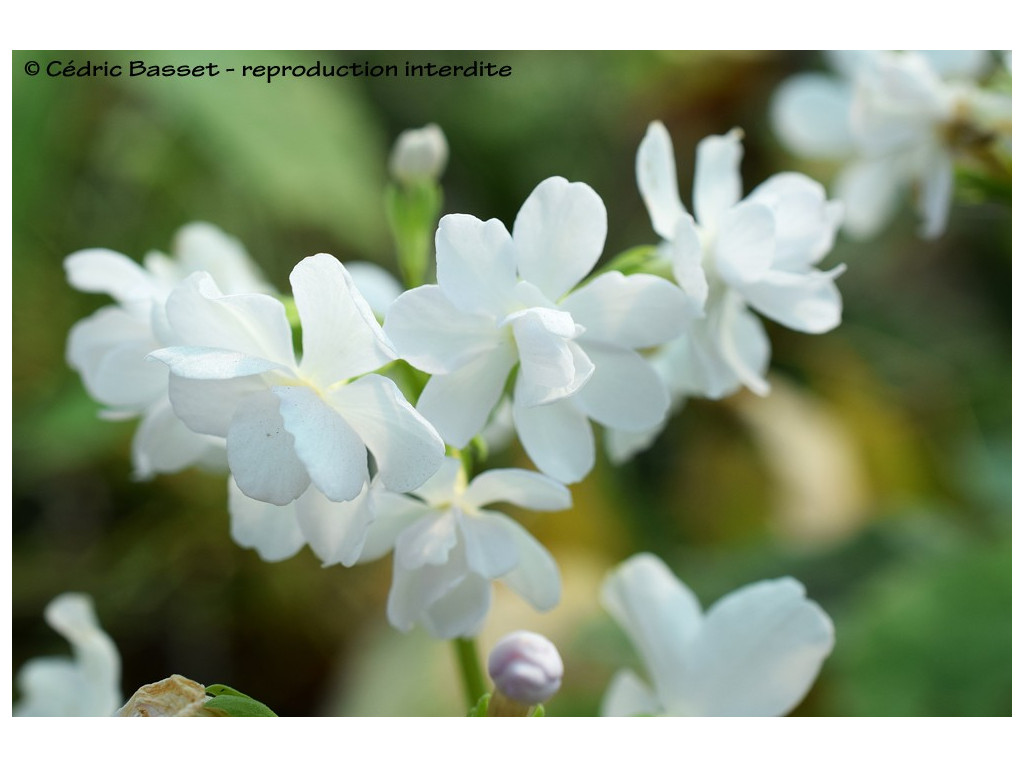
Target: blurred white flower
(288, 424)
(419, 154)
(504, 299)
(897, 119)
(448, 547)
(526, 667)
(756, 651)
(109, 348)
(758, 252)
(87, 685)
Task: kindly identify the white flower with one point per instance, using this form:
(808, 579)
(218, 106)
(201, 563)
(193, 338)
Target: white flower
(449, 548)
(756, 651)
(109, 348)
(87, 685)
(504, 299)
(526, 667)
(419, 155)
(896, 118)
(759, 252)
(291, 424)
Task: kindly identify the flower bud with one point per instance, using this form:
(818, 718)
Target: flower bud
(175, 696)
(419, 155)
(526, 667)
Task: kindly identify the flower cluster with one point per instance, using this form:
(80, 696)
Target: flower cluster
(313, 415)
(899, 120)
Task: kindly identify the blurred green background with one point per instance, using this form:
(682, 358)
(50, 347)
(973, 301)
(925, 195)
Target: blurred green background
(877, 472)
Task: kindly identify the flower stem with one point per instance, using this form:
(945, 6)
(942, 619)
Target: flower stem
(469, 665)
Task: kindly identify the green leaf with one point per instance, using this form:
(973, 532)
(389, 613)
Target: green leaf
(480, 710)
(538, 711)
(235, 703)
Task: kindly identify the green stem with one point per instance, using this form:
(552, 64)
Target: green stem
(469, 665)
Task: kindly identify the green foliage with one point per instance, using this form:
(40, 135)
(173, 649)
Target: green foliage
(412, 213)
(235, 703)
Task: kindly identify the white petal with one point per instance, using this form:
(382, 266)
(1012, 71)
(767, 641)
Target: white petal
(251, 324)
(490, 551)
(935, 195)
(627, 696)
(375, 284)
(968, 64)
(414, 591)
(207, 406)
(460, 612)
(521, 487)
(405, 446)
(207, 363)
(535, 578)
(559, 234)
(743, 345)
(717, 185)
(163, 444)
(809, 302)
(340, 336)
(656, 178)
(54, 687)
(335, 530)
(811, 115)
(261, 452)
(438, 490)
(202, 247)
(551, 365)
(686, 254)
(329, 448)
(458, 403)
(759, 652)
(636, 311)
(434, 335)
(393, 514)
(428, 541)
(746, 243)
(661, 616)
(625, 392)
(109, 350)
(100, 270)
(556, 437)
(621, 445)
(272, 530)
(475, 263)
(805, 223)
(870, 192)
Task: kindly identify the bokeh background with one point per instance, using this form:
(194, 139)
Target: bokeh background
(877, 472)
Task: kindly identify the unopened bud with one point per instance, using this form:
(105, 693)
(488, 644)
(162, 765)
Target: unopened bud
(526, 667)
(419, 155)
(176, 696)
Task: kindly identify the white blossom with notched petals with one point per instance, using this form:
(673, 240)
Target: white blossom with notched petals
(109, 348)
(896, 119)
(756, 652)
(448, 547)
(292, 424)
(735, 255)
(86, 685)
(504, 300)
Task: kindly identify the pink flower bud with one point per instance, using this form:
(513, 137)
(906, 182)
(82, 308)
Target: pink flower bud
(526, 667)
